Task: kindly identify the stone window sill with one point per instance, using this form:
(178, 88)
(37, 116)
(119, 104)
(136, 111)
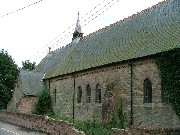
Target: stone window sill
(149, 105)
(98, 104)
(79, 104)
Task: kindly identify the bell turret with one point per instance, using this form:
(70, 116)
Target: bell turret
(77, 35)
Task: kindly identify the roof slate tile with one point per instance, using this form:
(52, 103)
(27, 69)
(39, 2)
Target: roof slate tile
(151, 31)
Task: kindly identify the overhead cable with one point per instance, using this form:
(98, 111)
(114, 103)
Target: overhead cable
(21, 8)
(66, 34)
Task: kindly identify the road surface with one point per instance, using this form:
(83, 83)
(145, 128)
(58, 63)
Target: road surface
(9, 129)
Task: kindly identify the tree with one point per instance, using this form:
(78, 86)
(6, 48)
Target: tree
(8, 76)
(28, 65)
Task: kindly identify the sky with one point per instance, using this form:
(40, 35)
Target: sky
(28, 33)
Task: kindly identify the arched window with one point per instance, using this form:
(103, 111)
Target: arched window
(98, 93)
(79, 94)
(88, 94)
(147, 91)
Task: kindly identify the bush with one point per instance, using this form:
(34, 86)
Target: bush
(122, 117)
(88, 127)
(43, 105)
(93, 128)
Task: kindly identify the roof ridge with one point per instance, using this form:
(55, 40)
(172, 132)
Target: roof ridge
(127, 18)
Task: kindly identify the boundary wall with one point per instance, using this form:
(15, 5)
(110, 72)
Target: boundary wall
(39, 123)
(45, 124)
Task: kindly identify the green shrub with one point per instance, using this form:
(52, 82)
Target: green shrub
(88, 127)
(122, 116)
(43, 105)
(93, 128)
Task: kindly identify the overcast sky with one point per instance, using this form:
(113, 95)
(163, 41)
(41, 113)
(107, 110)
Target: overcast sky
(27, 33)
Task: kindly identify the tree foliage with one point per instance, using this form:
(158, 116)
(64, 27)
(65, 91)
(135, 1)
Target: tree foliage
(169, 66)
(28, 65)
(8, 75)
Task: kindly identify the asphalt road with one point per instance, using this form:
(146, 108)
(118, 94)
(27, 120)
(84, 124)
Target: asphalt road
(9, 129)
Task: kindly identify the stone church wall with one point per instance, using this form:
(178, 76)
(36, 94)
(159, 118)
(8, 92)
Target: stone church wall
(157, 113)
(61, 92)
(27, 104)
(17, 96)
(115, 82)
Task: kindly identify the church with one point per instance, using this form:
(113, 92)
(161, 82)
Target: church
(90, 78)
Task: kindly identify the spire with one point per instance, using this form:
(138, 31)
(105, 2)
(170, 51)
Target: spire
(77, 33)
(78, 26)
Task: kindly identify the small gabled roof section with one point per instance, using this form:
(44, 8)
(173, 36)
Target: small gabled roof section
(149, 32)
(31, 82)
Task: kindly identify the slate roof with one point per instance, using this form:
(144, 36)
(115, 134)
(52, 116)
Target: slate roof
(31, 82)
(149, 32)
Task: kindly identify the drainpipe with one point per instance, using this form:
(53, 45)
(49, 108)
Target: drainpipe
(74, 97)
(49, 85)
(132, 120)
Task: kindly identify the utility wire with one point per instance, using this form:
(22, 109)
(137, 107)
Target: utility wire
(88, 20)
(68, 33)
(22, 8)
(71, 28)
(91, 18)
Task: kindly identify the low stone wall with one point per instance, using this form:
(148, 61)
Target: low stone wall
(39, 123)
(145, 131)
(53, 127)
